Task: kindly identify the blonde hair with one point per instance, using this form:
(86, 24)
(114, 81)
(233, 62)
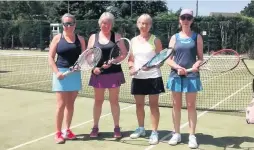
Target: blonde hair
(108, 16)
(145, 17)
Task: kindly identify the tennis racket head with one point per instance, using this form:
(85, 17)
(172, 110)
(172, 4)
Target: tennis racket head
(221, 61)
(88, 59)
(120, 51)
(159, 58)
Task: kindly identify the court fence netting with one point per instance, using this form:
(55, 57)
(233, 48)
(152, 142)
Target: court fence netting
(229, 92)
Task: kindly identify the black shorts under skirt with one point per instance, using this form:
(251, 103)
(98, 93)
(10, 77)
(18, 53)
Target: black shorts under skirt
(148, 86)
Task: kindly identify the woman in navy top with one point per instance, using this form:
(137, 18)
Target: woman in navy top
(68, 46)
(188, 48)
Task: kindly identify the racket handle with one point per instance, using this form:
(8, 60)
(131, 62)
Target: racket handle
(189, 70)
(66, 73)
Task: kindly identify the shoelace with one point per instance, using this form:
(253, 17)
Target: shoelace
(95, 129)
(193, 140)
(175, 137)
(69, 132)
(137, 130)
(59, 134)
(153, 135)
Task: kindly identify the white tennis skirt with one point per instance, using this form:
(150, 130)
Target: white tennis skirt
(72, 82)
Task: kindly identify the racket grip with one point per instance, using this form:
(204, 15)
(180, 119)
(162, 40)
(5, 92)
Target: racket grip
(189, 70)
(66, 73)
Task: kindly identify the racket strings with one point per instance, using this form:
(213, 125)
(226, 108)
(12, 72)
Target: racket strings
(89, 59)
(115, 52)
(222, 62)
(121, 48)
(159, 58)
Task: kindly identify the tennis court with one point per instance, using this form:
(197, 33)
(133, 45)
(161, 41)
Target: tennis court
(28, 108)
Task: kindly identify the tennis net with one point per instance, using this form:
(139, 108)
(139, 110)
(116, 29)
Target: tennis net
(230, 91)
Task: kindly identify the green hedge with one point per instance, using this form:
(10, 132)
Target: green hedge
(222, 32)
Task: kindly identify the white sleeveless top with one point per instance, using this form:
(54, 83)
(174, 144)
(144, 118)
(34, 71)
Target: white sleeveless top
(142, 53)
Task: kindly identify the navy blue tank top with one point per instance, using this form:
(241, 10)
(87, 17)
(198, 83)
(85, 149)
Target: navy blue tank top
(185, 54)
(68, 53)
(106, 48)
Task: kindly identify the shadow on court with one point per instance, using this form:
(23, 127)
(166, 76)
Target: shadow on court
(103, 136)
(108, 136)
(220, 142)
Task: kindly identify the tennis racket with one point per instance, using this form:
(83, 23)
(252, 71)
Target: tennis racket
(157, 60)
(220, 61)
(120, 51)
(86, 61)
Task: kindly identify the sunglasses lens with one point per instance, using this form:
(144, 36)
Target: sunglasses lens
(186, 17)
(68, 24)
(189, 18)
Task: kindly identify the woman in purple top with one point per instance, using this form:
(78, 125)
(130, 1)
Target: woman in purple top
(110, 78)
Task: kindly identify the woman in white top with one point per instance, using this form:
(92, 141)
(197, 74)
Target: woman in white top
(146, 82)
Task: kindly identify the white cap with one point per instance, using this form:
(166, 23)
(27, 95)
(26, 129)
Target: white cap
(186, 12)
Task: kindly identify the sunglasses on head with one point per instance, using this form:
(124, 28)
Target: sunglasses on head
(66, 24)
(186, 17)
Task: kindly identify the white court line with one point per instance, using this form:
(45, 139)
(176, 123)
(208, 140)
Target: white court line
(46, 136)
(200, 115)
(83, 123)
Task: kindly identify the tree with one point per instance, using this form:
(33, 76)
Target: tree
(123, 9)
(248, 10)
(21, 10)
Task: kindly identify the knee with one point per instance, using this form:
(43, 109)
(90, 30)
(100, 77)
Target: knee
(154, 109)
(140, 106)
(114, 103)
(98, 103)
(70, 106)
(191, 106)
(177, 105)
(60, 106)
(154, 105)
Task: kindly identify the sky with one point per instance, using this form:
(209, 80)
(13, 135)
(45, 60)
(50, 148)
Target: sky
(207, 6)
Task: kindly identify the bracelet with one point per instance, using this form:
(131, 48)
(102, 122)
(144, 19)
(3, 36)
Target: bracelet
(93, 70)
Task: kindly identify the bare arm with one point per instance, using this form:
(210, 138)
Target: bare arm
(52, 53)
(122, 47)
(96, 70)
(131, 57)
(170, 60)
(91, 41)
(158, 45)
(199, 51)
(83, 43)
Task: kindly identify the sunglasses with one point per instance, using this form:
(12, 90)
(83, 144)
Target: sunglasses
(66, 24)
(186, 17)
